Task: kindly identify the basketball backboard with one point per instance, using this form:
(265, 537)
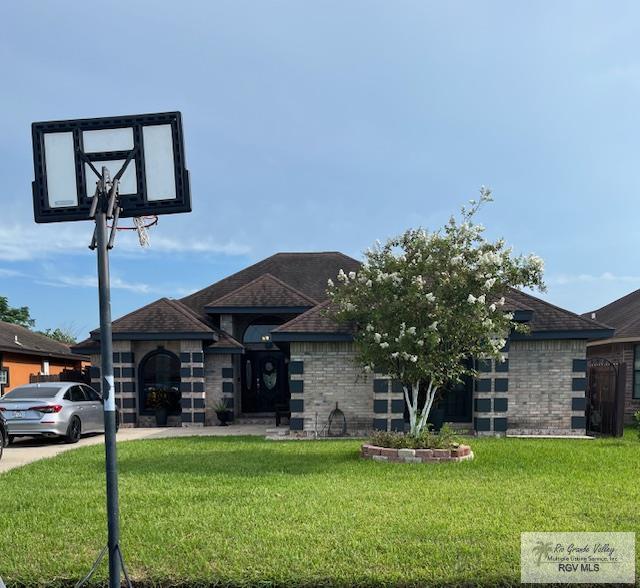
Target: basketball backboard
(155, 182)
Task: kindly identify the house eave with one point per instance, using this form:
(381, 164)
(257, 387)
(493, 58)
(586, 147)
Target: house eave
(224, 351)
(257, 309)
(614, 340)
(568, 334)
(168, 336)
(304, 337)
(35, 353)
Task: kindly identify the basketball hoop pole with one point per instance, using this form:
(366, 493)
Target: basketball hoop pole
(105, 205)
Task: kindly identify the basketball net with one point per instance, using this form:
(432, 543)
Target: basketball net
(143, 234)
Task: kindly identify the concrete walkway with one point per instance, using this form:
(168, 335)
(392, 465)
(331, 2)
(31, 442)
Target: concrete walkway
(29, 449)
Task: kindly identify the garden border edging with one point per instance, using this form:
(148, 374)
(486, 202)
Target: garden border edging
(375, 453)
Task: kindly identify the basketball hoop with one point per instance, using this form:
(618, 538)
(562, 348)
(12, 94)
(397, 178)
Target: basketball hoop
(141, 224)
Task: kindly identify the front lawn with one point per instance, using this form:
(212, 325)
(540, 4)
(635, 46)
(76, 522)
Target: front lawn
(240, 511)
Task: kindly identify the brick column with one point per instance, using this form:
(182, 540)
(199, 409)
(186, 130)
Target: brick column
(578, 399)
(124, 375)
(192, 383)
(490, 401)
(296, 388)
(388, 404)
(124, 372)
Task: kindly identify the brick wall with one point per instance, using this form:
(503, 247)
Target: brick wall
(547, 382)
(323, 374)
(620, 353)
(127, 356)
(221, 383)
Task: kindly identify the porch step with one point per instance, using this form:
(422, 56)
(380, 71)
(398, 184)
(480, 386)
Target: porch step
(255, 420)
(278, 432)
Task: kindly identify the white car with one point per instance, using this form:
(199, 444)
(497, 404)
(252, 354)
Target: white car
(53, 409)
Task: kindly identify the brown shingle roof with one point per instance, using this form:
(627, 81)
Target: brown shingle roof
(316, 320)
(548, 317)
(32, 343)
(226, 341)
(162, 316)
(266, 290)
(545, 318)
(306, 272)
(622, 314)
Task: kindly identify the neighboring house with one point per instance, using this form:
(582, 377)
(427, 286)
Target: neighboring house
(25, 354)
(260, 340)
(623, 347)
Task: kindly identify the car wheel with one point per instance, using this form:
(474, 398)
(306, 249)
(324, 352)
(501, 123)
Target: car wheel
(11, 439)
(74, 430)
(1, 445)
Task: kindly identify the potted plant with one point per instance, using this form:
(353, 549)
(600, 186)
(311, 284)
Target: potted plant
(158, 399)
(223, 413)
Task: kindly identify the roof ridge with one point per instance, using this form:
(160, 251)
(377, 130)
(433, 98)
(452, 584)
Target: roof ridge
(261, 277)
(229, 277)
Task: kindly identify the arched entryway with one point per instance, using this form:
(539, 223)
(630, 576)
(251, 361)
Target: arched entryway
(159, 382)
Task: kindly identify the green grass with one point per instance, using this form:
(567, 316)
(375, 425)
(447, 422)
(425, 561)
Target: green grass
(242, 511)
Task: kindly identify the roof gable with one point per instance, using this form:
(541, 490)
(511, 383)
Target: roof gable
(305, 272)
(264, 291)
(161, 316)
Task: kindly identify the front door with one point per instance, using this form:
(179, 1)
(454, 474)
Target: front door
(264, 381)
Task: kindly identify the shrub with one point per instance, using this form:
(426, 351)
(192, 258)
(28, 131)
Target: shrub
(426, 439)
(637, 417)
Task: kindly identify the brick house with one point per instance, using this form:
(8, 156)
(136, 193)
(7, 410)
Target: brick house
(259, 341)
(25, 355)
(623, 347)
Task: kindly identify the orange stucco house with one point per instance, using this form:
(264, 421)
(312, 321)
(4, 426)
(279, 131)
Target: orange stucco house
(25, 354)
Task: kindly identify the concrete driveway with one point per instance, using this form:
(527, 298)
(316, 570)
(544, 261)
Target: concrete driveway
(28, 449)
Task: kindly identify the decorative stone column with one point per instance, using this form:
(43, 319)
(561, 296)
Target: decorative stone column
(296, 388)
(192, 383)
(388, 404)
(490, 398)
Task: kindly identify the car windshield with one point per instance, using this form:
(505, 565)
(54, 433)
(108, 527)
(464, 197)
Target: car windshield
(38, 392)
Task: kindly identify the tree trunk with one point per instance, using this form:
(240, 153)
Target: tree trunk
(418, 419)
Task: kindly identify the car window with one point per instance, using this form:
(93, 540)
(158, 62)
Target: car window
(76, 394)
(91, 394)
(31, 393)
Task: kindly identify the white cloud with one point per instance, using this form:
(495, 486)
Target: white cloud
(9, 273)
(63, 281)
(23, 243)
(563, 279)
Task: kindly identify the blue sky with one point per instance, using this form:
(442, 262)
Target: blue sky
(327, 125)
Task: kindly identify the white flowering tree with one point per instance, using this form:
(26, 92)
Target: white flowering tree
(424, 303)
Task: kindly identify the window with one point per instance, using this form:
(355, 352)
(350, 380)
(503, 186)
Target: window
(75, 394)
(32, 393)
(160, 382)
(636, 372)
(259, 331)
(91, 394)
(4, 378)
